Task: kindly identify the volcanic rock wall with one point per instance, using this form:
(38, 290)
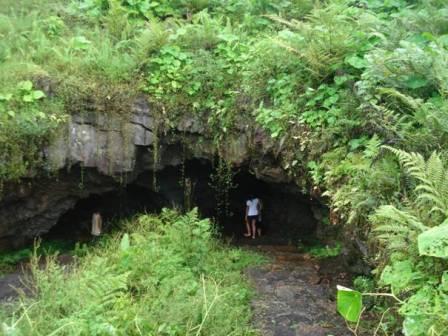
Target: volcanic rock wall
(97, 152)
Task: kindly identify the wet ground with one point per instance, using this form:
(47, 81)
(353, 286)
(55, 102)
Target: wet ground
(295, 298)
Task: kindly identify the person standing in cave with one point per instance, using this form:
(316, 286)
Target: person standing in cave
(97, 225)
(253, 212)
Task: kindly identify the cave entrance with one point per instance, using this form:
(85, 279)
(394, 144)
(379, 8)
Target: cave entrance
(122, 202)
(287, 214)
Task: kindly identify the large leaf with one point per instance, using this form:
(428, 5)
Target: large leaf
(38, 94)
(25, 85)
(399, 275)
(349, 303)
(28, 98)
(5, 97)
(356, 62)
(434, 242)
(419, 312)
(80, 43)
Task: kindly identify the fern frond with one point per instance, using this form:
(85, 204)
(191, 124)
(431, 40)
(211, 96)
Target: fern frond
(398, 245)
(432, 191)
(105, 285)
(392, 241)
(389, 213)
(292, 24)
(435, 169)
(414, 163)
(432, 197)
(297, 52)
(392, 229)
(407, 100)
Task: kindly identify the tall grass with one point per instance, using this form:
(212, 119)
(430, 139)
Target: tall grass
(167, 275)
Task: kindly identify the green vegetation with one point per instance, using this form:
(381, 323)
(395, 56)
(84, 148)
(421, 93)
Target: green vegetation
(414, 236)
(168, 275)
(332, 81)
(322, 251)
(10, 259)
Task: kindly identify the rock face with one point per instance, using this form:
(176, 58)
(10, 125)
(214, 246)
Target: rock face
(98, 152)
(116, 145)
(31, 209)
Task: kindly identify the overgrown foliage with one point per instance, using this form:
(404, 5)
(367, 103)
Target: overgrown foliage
(414, 237)
(330, 81)
(321, 251)
(168, 275)
(10, 259)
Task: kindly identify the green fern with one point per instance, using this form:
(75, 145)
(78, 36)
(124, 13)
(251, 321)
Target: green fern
(316, 41)
(432, 190)
(414, 236)
(429, 206)
(412, 103)
(105, 285)
(396, 228)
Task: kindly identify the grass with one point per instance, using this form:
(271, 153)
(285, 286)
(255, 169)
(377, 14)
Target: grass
(167, 275)
(10, 259)
(320, 251)
(51, 43)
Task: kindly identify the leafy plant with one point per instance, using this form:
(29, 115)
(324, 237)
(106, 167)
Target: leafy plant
(349, 303)
(10, 259)
(330, 82)
(412, 236)
(22, 118)
(159, 277)
(221, 180)
(323, 251)
(168, 72)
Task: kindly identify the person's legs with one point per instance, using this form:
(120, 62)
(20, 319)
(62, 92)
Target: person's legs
(247, 234)
(254, 228)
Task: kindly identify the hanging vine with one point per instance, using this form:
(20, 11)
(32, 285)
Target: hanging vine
(81, 181)
(156, 160)
(221, 181)
(186, 182)
(156, 157)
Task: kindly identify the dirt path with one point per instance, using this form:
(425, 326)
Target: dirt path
(293, 298)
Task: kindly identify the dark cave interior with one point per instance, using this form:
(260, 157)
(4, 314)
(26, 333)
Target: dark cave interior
(287, 213)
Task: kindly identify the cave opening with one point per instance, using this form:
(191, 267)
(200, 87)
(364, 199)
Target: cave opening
(287, 213)
(122, 202)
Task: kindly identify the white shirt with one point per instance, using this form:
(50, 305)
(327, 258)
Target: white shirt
(253, 207)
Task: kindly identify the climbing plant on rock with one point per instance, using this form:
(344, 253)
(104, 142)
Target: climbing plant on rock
(221, 181)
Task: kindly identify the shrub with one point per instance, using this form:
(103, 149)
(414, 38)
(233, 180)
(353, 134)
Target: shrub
(414, 235)
(168, 275)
